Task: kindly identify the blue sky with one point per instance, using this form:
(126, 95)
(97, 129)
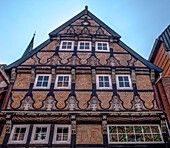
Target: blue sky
(139, 22)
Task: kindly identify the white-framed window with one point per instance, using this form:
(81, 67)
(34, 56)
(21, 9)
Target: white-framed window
(67, 45)
(42, 81)
(134, 133)
(84, 46)
(123, 82)
(19, 134)
(62, 134)
(102, 46)
(103, 82)
(40, 133)
(63, 81)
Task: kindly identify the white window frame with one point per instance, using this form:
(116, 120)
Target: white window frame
(144, 142)
(47, 134)
(84, 49)
(117, 82)
(42, 87)
(102, 50)
(69, 82)
(97, 82)
(55, 135)
(10, 141)
(72, 46)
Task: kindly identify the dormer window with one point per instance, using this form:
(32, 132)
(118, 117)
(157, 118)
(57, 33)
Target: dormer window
(84, 46)
(102, 46)
(66, 45)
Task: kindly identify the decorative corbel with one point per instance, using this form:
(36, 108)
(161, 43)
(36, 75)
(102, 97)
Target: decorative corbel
(32, 75)
(152, 75)
(13, 75)
(104, 124)
(53, 71)
(73, 124)
(73, 75)
(113, 76)
(8, 124)
(93, 76)
(133, 76)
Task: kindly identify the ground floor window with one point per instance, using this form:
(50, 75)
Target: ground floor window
(40, 133)
(134, 134)
(62, 134)
(19, 134)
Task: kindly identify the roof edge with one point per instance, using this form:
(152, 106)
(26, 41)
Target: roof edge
(139, 57)
(28, 55)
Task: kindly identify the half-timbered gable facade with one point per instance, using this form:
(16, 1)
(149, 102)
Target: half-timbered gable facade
(83, 87)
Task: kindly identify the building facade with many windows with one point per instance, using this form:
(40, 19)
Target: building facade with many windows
(83, 87)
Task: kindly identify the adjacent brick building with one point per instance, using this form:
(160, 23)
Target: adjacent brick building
(83, 87)
(160, 56)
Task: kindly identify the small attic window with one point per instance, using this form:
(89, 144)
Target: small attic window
(66, 45)
(84, 46)
(102, 46)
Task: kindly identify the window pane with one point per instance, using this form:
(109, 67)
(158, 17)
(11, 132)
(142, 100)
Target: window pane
(155, 129)
(148, 137)
(21, 137)
(157, 137)
(59, 84)
(99, 48)
(146, 129)
(121, 84)
(104, 48)
(65, 130)
(59, 130)
(66, 78)
(64, 43)
(138, 129)
(106, 84)
(99, 44)
(81, 44)
(120, 78)
(106, 78)
(126, 78)
(112, 129)
(69, 43)
(63, 47)
(44, 130)
(38, 130)
(121, 129)
(65, 137)
(40, 78)
(101, 84)
(131, 137)
(38, 84)
(129, 129)
(45, 84)
(46, 78)
(58, 137)
(122, 138)
(127, 84)
(68, 47)
(65, 84)
(60, 78)
(139, 137)
(113, 138)
(23, 130)
(15, 137)
(100, 78)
